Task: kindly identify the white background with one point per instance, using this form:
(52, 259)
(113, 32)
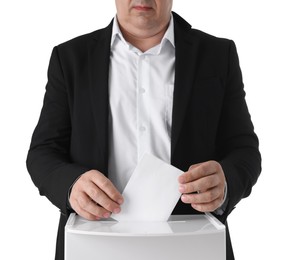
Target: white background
(30, 29)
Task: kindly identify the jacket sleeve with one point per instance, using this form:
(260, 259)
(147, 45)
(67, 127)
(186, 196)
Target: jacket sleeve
(238, 145)
(48, 160)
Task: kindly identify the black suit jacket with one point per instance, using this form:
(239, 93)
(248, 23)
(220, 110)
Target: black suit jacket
(210, 117)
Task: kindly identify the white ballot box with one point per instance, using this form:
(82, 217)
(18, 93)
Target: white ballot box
(200, 237)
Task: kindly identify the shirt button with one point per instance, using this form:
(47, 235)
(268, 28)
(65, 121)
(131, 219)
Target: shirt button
(142, 90)
(142, 128)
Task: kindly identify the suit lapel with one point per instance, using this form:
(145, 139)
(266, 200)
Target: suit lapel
(185, 69)
(98, 59)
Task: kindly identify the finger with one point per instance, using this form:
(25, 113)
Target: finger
(202, 184)
(107, 187)
(207, 207)
(202, 198)
(99, 197)
(84, 206)
(85, 214)
(194, 166)
(198, 171)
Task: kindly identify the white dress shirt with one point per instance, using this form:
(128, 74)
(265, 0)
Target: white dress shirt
(141, 86)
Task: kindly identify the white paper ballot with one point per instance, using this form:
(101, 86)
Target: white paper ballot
(151, 193)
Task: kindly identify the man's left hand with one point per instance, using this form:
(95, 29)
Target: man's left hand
(203, 186)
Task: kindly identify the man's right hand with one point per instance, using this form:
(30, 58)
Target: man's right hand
(93, 196)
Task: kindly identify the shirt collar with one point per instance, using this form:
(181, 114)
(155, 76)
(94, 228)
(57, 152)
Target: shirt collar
(168, 36)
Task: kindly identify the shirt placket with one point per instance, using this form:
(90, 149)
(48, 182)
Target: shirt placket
(143, 124)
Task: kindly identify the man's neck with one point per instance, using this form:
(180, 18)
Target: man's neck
(143, 41)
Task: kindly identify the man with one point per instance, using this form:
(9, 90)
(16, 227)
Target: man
(146, 83)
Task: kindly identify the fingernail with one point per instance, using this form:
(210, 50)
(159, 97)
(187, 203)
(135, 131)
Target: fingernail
(184, 198)
(106, 215)
(120, 201)
(116, 211)
(181, 188)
